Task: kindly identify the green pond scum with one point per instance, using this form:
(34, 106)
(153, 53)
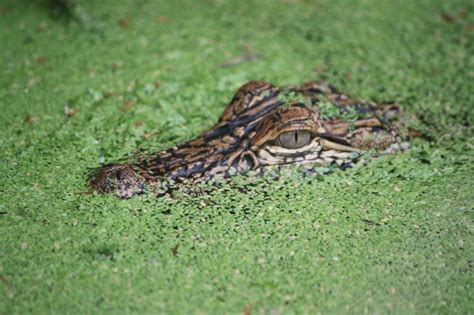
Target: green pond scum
(86, 82)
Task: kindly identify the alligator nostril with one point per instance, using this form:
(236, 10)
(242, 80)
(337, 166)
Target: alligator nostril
(119, 174)
(121, 178)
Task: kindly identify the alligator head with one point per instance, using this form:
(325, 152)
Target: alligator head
(266, 127)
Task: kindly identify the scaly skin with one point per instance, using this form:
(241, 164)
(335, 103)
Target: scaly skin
(248, 138)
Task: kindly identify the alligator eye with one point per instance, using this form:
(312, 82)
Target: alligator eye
(294, 139)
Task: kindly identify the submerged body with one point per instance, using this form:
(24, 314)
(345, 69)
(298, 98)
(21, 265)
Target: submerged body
(263, 127)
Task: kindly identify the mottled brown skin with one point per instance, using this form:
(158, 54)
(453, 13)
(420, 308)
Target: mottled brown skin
(248, 137)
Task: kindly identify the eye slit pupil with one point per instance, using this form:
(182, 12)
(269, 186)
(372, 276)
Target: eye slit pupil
(294, 139)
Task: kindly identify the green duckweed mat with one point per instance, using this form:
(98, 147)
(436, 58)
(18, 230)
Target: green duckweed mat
(84, 85)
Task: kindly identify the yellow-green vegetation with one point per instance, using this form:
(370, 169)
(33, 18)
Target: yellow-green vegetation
(86, 85)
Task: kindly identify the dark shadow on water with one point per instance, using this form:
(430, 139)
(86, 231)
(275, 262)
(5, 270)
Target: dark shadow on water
(63, 12)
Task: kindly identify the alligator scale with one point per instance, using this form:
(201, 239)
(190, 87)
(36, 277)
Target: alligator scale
(264, 127)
